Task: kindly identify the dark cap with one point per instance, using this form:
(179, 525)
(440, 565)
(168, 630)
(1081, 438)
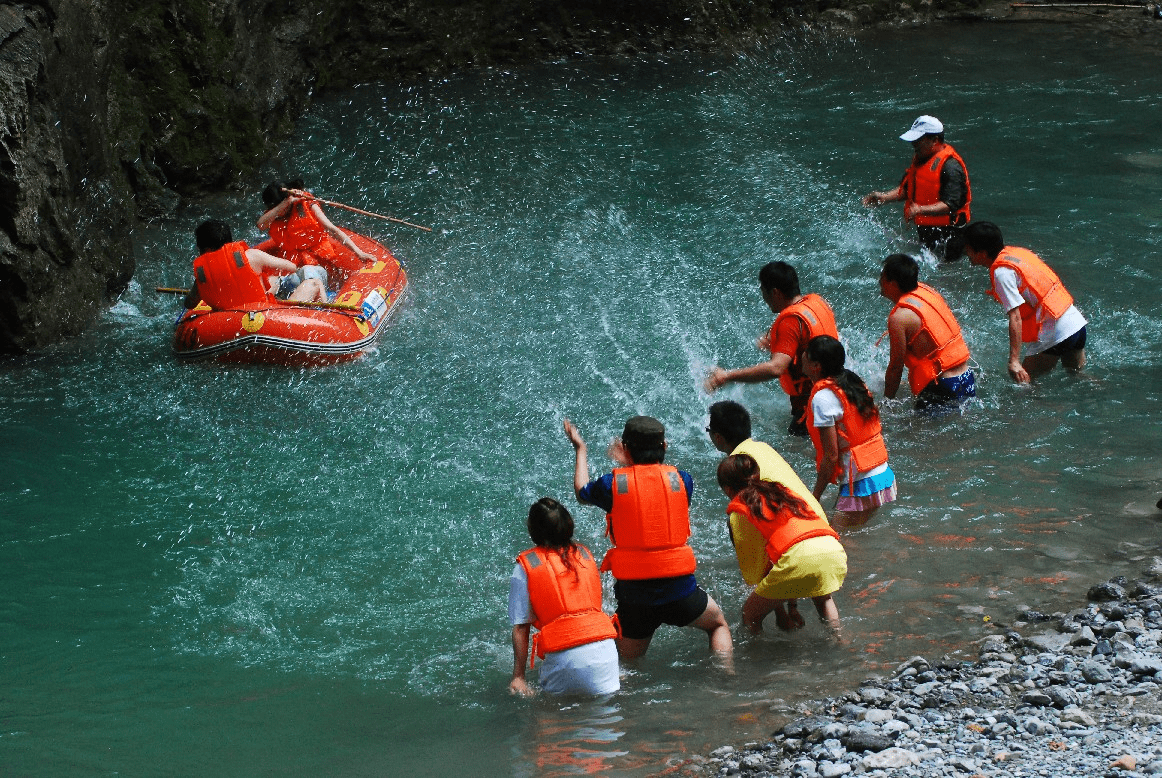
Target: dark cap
(643, 431)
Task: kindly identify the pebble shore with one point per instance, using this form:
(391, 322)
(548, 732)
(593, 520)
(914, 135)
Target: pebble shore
(1067, 694)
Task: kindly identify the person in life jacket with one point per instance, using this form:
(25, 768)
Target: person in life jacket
(849, 441)
(1041, 312)
(729, 429)
(935, 189)
(301, 229)
(925, 337)
(555, 587)
(798, 318)
(230, 275)
(784, 548)
(647, 506)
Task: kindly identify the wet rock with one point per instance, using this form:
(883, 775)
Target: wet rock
(1106, 592)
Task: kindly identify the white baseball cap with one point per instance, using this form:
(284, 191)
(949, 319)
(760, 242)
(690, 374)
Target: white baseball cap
(925, 125)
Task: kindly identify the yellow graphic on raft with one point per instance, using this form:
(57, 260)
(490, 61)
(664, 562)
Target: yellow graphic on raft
(253, 321)
(362, 325)
(378, 267)
(349, 298)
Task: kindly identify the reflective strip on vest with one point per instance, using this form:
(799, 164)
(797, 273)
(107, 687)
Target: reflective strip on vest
(649, 524)
(566, 600)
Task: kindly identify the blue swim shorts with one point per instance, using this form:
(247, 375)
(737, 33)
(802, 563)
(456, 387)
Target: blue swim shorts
(945, 393)
(1075, 342)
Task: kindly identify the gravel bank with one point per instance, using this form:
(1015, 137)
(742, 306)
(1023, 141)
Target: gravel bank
(1067, 694)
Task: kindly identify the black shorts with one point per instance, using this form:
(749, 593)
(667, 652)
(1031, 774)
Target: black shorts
(638, 622)
(1075, 342)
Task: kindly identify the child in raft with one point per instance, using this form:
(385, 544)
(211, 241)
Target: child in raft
(844, 425)
(556, 588)
(785, 549)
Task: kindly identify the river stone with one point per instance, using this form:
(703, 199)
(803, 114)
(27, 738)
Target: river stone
(804, 768)
(1083, 637)
(877, 716)
(1105, 592)
(802, 728)
(719, 753)
(1035, 726)
(1079, 717)
(920, 664)
(890, 758)
(1037, 698)
(1048, 641)
(1061, 696)
(871, 694)
(860, 740)
(1146, 665)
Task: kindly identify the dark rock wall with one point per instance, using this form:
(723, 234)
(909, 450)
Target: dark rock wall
(113, 110)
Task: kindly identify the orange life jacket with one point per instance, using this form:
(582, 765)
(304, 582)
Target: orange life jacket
(649, 524)
(922, 187)
(816, 316)
(566, 602)
(863, 438)
(1034, 276)
(937, 320)
(781, 530)
(298, 230)
(226, 281)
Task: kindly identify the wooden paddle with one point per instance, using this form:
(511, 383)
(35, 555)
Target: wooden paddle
(308, 196)
(332, 306)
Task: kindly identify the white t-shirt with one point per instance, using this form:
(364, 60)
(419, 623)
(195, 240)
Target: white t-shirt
(1052, 331)
(587, 669)
(827, 411)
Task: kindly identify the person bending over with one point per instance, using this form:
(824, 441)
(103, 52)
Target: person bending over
(785, 550)
(647, 506)
(845, 428)
(555, 587)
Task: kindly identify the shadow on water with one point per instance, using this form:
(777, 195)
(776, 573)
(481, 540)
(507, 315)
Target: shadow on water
(220, 568)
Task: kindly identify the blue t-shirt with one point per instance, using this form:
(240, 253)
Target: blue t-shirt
(599, 491)
(647, 591)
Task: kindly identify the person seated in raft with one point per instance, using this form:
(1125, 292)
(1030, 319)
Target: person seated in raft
(647, 506)
(845, 427)
(229, 274)
(556, 588)
(785, 549)
(304, 232)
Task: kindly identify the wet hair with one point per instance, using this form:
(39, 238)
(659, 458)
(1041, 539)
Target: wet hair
(551, 526)
(645, 453)
(830, 355)
(903, 270)
(273, 194)
(781, 277)
(984, 236)
(212, 235)
(730, 420)
(739, 473)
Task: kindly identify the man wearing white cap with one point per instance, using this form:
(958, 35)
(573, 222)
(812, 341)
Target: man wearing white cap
(935, 190)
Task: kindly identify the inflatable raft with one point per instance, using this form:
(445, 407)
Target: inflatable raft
(301, 334)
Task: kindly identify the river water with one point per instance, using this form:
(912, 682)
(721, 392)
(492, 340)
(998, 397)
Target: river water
(252, 571)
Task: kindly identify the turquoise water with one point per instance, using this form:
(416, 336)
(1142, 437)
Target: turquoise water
(240, 571)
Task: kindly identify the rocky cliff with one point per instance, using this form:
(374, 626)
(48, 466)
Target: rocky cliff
(114, 110)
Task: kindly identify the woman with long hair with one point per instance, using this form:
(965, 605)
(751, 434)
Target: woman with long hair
(556, 588)
(785, 549)
(844, 424)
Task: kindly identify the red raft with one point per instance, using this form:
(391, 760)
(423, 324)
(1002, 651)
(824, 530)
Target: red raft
(301, 334)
